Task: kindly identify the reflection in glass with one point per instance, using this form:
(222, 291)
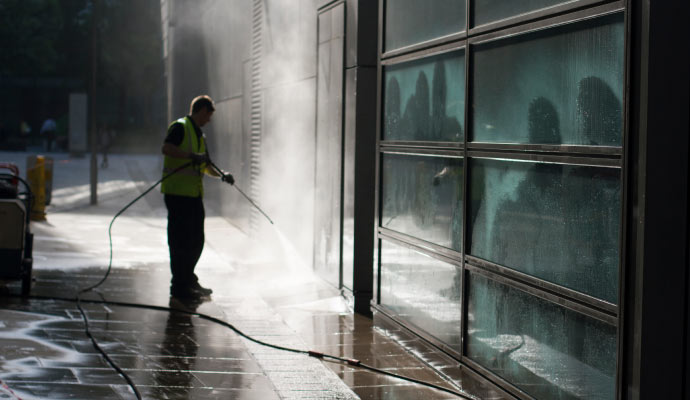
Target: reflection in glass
(412, 21)
(424, 290)
(547, 350)
(577, 69)
(422, 197)
(424, 99)
(485, 11)
(557, 222)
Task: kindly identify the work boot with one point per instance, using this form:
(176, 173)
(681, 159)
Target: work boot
(200, 289)
(184, 293)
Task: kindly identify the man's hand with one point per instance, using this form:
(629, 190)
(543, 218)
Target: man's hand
(228, 178)
(198, 158)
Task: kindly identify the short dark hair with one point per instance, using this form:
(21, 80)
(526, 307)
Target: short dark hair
(203, 101)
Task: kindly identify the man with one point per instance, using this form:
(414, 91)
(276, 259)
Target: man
(48, 132)
(183, 193)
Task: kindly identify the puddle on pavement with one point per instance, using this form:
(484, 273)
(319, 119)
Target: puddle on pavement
(25, 343)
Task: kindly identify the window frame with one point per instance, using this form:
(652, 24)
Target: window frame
(597, 156)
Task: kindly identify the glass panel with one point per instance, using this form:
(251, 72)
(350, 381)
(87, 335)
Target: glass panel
(422, 290)
(557, 222)
(546, 350)
(413, 21)
(485, 11)
(561, 85)
(425, 99)
(329, 145)
(348, 240)
(422, 197)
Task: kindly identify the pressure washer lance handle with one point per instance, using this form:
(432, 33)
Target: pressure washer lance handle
(228, 178)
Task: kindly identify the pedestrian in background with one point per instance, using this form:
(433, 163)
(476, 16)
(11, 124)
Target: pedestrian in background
(48, 130)
(105, 137)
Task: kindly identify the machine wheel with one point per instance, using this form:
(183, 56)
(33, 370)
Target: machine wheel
(26, 276)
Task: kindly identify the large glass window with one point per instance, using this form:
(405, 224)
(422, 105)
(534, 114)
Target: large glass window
(424, 290)
(529, 202)
(422, 197)
(425, 99)
(485, 11)
(546, 350)
(562, 85)
(413, 21)
(557, 222)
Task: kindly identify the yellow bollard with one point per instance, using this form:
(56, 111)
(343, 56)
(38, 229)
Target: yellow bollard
(36, 176)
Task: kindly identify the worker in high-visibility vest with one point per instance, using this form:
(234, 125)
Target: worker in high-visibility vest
(183, 194)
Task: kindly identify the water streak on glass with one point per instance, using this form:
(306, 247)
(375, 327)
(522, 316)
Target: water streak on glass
(425, 99)
(546, 350)
(485, 11)
(425, 291)
(422, 197)
(557, 222)
(412, 21)
(557, 86)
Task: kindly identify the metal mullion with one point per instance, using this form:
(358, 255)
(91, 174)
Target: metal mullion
(469, 21)
(423, 46)
(625, 142)
(343, 112)
(376, 296)
(460, 44)
(465, 186)
(531, 16)
(381, 28)
(416, 330)
(536, 287)
(602, 305)
(420, 143)
(422, 151)
(422, 246)
(554, 22)
(609, 151)
(566, 159)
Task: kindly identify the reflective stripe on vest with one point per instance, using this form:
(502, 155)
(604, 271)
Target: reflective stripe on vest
(188, 181)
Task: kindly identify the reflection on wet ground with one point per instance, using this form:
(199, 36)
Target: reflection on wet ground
(259, 287)
(177, 356)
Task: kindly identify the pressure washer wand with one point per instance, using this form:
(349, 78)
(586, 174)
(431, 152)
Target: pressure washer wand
(222, 174)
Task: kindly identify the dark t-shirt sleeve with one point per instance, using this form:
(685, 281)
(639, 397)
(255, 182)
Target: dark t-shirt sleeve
(175, 134)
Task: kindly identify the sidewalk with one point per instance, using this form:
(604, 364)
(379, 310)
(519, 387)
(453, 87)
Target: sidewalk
(261, 288)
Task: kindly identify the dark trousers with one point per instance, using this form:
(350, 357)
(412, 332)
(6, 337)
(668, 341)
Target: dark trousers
(185, 237)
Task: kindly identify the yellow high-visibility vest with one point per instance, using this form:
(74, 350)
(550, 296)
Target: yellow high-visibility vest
(188, 181)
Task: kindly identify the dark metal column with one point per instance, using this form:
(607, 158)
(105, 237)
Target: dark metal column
(360, 147)
(653, 361)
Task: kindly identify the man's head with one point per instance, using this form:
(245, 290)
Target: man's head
(202, 109)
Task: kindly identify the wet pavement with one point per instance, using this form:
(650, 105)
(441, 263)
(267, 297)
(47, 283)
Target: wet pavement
(261, 287)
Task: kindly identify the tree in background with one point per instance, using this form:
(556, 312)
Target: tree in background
(45, 53)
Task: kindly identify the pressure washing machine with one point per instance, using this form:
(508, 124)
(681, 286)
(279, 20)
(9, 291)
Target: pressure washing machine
(16, 239)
